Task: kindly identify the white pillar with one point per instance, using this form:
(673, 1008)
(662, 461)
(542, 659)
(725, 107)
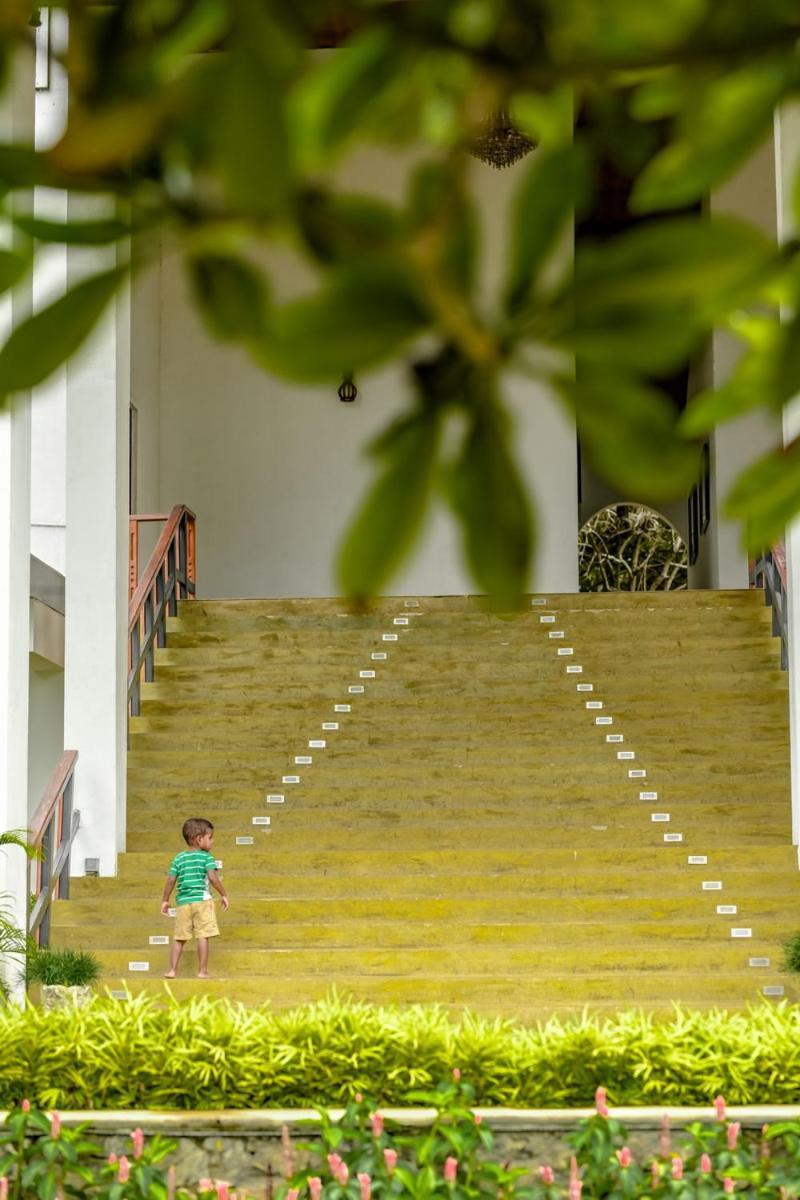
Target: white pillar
(96, 573)
(787, 163)
(16, 123)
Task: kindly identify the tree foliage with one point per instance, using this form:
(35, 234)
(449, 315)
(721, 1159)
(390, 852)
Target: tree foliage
(213, 126)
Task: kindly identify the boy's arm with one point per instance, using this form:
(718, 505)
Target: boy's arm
(168, 886)
(216, 883)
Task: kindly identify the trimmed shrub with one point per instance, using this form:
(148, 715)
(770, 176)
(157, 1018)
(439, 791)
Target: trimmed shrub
(64, 968)
(218, 1054)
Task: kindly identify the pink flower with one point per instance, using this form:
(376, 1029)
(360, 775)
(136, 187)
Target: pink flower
(339, 1169)
(124, 1169)
(314, 1187)
(26, 1106)
(728, 1185)
(677, 1167)
(705, 1164)
(456, 1074)
(664, 1142)
(365, 1185)
(292, 1193)
(733, 1134)
(600, 1102)
(377, 1124)
(478, 1118)
(137, 1137)
(719, 1105)
(655, 1174)
(625, 1157)
(390, 1158)
(3, 1187)
(205, 1184)
(223, 1190)
(334, 1163)
(547, 1175)
(359, 1098)
(450, 1169)
(55, 1125)
(112, 1158)
(575, 1182)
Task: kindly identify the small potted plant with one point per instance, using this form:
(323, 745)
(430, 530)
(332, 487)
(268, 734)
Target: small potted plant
(65, 976)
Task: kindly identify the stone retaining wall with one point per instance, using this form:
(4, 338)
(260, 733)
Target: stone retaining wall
(245, 1147)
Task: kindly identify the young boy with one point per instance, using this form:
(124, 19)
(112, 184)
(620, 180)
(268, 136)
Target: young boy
(193, 870)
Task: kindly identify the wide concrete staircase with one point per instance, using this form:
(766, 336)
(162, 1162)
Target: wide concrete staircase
(583, 804)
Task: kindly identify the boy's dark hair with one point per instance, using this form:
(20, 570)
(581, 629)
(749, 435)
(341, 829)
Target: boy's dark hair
(195, 827)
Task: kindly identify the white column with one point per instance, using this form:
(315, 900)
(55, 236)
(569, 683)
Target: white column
(96, 573)
(16, 123)
(787, 163)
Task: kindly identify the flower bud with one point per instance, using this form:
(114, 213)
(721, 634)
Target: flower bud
(547, 1175)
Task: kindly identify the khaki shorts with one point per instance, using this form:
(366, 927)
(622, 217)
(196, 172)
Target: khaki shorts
(195, 920)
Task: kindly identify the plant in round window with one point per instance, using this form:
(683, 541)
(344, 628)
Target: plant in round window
(630, 548)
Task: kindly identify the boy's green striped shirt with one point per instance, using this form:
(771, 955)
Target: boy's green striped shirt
(191, 868)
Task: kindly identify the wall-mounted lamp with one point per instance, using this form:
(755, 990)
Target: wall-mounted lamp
(347, 389)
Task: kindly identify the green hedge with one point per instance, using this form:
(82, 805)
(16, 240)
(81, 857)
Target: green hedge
(216, 1054)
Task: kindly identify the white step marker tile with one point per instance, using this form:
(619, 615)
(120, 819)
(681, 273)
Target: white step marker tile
(356, 689)
(712, 885)
(366, 674)
(604, 720)
(158, 939)
(389, 637)
(303, 760)
(330, 724)
(245, 841)
(615, 737)
(740, 932)
(697, 860)
(673, 837)
(537, 600)
(662, 817)
(379, 656)
(547, 619)
(584, 687)
(594, 704)
(564, 651)
(637, 773)
(773, 989)
(116, 995)
(727, 910)
(218, 863)
(758, 961)
(275, 798)
(574, 668)
(317, 744)
(626, 755)
(261, 821)
(648, 795)
(411, 604)
(138, 966)
(290, 778)
(400, 620)
(171, 912)
(556, 633)
(341, 708)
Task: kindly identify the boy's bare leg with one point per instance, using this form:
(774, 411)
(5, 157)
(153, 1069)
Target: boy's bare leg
(174, 959)
(202, 958)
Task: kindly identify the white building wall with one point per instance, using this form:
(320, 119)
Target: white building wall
(274, 471)
(45, 726)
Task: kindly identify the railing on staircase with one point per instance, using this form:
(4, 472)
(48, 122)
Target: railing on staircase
(168, 577)
(769, 572)
(52, 832)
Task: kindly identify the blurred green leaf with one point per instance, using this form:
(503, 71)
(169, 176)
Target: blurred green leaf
(231, 296)
(716, 130)
(629, 431)
(391, 515)
(488, 496)
(48, 338)
(619, 30)
(339, 226)
(332, 100)
(787, 363)
(250, 133)
(13, 267)
(437, 198)
(20, 167)
(555, 183)
(109, 137)
(73, 233)
(546, 117)
(364, 315)
(766, 497)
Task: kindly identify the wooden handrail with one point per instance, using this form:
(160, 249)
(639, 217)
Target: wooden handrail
(52, 832)
(169, 576)
(52, 793)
